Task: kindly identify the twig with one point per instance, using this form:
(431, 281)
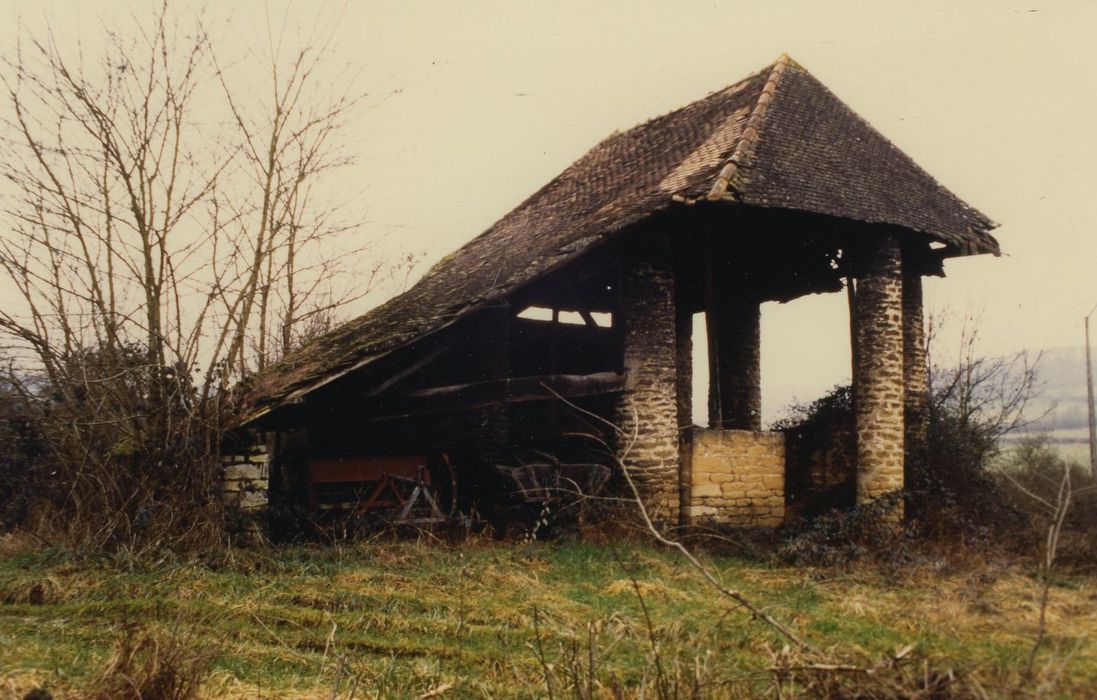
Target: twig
(541, 653)
(1055, 529)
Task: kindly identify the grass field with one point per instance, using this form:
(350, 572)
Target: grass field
(421, 620)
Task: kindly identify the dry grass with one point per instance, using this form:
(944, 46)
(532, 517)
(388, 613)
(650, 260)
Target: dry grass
(16, 543)
(149, 667)
(485, 620)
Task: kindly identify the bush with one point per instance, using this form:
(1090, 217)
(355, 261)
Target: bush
(842, 536)
(821, 453)
(116, 452)
(951, 490)
(145, 666)
(1031, 473)
(21, 445)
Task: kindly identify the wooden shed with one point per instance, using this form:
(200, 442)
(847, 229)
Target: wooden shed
(583, 297)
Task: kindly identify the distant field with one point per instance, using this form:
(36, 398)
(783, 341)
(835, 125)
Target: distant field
(1071, 443)
(1074, 451)
(487, 620)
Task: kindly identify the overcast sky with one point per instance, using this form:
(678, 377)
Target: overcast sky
(478, 104)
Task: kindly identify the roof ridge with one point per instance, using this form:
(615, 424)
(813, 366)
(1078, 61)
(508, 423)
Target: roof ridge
(750, 133)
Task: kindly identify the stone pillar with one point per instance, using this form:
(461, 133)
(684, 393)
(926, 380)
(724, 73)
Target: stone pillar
(650, 341)
(684, 380)
(879, 375)
(915, 372)
(735, 371)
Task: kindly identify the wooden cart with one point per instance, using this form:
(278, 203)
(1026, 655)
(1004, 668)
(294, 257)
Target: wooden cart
(395, 490)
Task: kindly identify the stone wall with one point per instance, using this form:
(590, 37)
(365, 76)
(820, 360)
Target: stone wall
(650, 342)
(738, 478)
(246, 479)
(878, 404)
(684, 378)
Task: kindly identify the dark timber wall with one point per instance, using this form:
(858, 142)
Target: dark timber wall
(735, 369)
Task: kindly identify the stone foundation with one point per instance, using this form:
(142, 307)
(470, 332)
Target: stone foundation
(738, 478)
(246, 479)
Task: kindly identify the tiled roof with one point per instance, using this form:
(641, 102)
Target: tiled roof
(778, 138)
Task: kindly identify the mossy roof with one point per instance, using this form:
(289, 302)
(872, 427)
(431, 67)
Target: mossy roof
(778, 138)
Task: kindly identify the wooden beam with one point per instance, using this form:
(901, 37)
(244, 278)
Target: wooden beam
(455, 397)
(411, 369)
(715, 401)
(519, 389)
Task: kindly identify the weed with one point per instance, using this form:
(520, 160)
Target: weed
(148, 666)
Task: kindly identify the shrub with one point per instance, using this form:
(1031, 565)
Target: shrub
(842, 536)
(1031, 473)
(116, 452)
(951, 490)
(821, 453)
(146, 666)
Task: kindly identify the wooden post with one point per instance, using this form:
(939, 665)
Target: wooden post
(1092, 418)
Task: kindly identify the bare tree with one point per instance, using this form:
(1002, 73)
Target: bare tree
(165, 237)
(991, 392)
(289, 139)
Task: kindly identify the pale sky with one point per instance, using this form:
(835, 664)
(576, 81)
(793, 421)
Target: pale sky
(478, 104)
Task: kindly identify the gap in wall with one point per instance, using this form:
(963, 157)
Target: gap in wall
(700, 370)
(805, 351)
